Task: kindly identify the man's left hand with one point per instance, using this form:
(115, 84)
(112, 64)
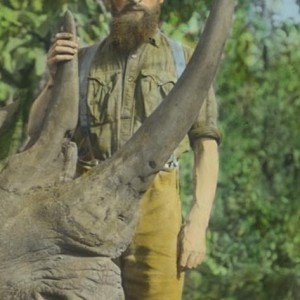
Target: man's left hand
(192, 245)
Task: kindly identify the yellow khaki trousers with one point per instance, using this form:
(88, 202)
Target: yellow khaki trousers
(149, 266)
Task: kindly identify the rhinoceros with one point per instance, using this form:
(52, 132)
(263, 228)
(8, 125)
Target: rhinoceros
(58, 234)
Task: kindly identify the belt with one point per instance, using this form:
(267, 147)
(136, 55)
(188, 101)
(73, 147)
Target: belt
(172, 163)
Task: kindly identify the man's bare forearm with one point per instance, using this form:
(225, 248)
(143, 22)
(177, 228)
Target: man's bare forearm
(193, 234)
(206, 166)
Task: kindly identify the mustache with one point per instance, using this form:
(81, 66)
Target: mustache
(133, 7)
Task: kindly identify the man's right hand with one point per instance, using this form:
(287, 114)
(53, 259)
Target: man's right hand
(64, 47)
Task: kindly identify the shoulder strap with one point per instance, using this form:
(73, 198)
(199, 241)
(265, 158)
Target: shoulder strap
(84, 69)
(178, 55)
(180, 64)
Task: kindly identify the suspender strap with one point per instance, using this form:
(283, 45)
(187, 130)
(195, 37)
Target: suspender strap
(180, 64)
(84, 69)
(179, 57)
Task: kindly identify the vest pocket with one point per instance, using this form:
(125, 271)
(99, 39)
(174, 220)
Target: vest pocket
(104, 94)
(153, 88)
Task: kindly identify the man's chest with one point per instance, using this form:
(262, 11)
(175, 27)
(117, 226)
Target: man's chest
(125, 85)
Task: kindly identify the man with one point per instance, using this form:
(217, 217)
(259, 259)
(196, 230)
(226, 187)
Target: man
(132, 71)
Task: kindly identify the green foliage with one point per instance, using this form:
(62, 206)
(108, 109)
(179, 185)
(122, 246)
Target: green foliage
(183, 20)
(253, 241)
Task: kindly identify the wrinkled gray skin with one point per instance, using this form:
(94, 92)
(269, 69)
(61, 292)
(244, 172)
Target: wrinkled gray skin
(58, 235)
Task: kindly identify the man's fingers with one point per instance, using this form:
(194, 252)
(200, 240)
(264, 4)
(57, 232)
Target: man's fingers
(195, 259)
(63, 50)
(59, 58)
(66, 43)
(191, 259)
(65, 39)
(64, 35)
(183, 259)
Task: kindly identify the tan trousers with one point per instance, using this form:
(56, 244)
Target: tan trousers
(149, 266)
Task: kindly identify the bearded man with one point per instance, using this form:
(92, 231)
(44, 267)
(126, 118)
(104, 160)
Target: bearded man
(127, 75)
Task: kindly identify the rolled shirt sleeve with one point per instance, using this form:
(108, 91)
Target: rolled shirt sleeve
(206, 122)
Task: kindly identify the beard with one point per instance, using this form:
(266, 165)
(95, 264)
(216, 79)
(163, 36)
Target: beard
(129, 30)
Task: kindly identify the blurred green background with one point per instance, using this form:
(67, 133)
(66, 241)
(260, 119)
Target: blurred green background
(253, 240)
